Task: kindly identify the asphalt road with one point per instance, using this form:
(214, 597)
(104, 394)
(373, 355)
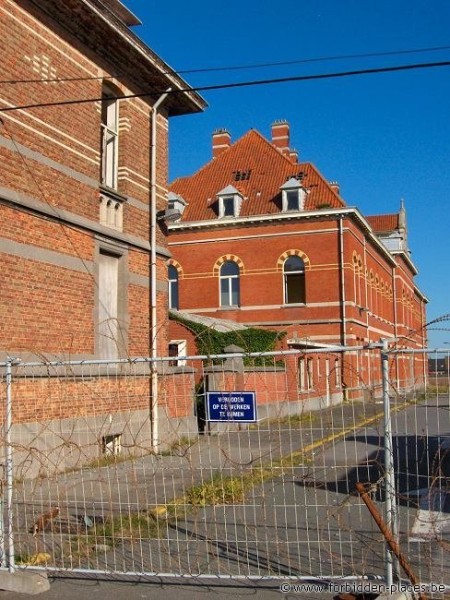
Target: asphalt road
(96, 589)
(305, 520)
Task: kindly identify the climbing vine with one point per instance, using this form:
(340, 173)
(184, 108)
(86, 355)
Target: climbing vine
(209, 341)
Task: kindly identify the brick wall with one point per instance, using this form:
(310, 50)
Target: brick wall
(49, 194)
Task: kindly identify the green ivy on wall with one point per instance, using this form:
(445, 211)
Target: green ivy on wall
(209, 341)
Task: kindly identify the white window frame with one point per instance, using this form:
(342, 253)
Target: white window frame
(112, 444)
(229, 282)
(292, 188)
(337, 373)
(181, 351)
(110, 139)
(227, 194)
(301, 374)
(310, 373)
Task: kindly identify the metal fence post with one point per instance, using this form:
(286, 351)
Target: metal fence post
(389, 483)
(10, 563)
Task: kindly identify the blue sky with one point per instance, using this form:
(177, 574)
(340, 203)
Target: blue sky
(383, 137)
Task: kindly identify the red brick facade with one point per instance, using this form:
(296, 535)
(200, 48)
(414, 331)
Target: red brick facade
(60, 212)
(84, 166)
(357, 280)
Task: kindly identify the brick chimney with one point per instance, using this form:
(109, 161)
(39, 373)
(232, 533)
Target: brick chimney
(334, 185)
(221, 140)
(280, 136)
(293, 155)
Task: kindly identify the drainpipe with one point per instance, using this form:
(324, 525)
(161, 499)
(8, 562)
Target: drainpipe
(394, 299)
(424, 343)
(153, 313)
(343, 311)
(366, 285)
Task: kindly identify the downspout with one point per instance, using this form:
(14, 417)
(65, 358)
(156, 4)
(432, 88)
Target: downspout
(424, 343)
(366, 282)
(394, 291)
(153, 312)
(343, 311)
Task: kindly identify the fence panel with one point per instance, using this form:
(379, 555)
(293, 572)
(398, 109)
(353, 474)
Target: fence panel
(421, 452)
(95, 490)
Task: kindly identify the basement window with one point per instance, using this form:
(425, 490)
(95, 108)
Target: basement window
(177, 348)
(112, 444)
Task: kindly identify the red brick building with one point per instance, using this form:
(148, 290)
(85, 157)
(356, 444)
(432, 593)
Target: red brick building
(85, 108)
(76, 187)
(267, 241)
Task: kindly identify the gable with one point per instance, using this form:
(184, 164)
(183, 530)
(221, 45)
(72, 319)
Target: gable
(257, 171)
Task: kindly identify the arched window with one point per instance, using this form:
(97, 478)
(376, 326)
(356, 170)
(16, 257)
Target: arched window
(229, 284)
(173, 288)
(294, 280)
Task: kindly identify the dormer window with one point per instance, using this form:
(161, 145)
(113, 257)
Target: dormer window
(230, 201)
(175, 207)
(292, 195)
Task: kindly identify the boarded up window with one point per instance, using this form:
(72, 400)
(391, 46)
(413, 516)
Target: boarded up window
(108, 289)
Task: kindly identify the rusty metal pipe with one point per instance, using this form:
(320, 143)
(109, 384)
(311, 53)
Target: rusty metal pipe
(388, 535)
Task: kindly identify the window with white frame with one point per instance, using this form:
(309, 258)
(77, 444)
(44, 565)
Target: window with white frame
(230, 201)
(292, 196)
(110, 138)
(177, 348)
(229, 284)
(310, 373)
(301, 374)
(294, 280)
(173, 288)
(337, 373)
(112, 444)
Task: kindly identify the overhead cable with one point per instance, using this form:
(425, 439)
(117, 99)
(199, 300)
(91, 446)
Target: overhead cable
(240, 84)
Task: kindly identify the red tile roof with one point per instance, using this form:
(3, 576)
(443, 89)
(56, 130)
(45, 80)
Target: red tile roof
(384, 223)
(268, 170)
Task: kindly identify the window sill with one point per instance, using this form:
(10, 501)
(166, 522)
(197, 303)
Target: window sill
(234, 307)
(293, 305)
(111, 193)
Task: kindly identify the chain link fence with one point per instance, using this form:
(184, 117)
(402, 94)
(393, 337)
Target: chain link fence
(236, 466)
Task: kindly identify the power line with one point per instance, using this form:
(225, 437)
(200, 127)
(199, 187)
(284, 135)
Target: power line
(237, 67)
(310, 60)
(223, 86)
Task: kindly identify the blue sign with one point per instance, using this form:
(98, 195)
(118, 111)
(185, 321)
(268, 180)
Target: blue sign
(236, 407)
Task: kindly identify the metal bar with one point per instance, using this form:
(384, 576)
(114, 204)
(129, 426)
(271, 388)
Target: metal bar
(389, 537)
(389, 485)
(199, 357)
(9, 467)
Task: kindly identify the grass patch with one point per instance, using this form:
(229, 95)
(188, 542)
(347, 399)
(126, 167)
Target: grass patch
(122, 529)
(220, 490)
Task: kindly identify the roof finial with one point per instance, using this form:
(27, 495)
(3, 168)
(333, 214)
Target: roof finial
(402, 214)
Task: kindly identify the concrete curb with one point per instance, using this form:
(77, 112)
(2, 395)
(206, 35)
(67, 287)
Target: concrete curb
(24, 582)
